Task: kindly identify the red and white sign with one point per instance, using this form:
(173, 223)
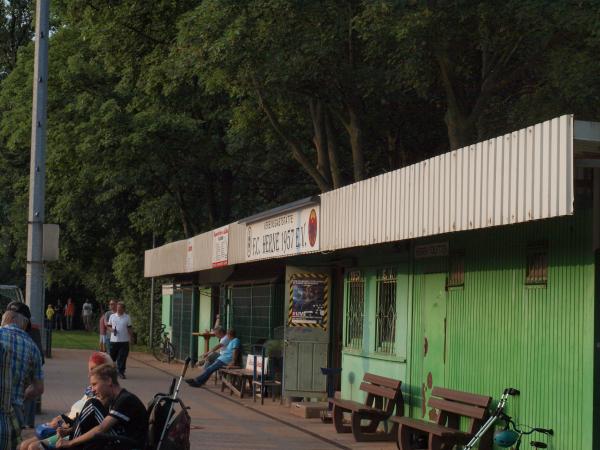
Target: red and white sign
(189, 255)
(220, 246)
(292, 233)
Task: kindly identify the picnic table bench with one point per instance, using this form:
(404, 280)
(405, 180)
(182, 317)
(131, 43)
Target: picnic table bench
(445, 432)
(239, 380)
(383, 397)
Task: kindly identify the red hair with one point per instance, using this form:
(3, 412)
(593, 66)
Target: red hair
(99, 358)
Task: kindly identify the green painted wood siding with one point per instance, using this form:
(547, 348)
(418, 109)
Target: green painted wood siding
(356, 363)
(502, 333)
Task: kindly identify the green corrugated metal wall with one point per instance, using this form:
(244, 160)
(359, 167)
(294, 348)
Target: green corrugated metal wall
(501, 333)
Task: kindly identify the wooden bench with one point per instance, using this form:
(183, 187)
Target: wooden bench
(383, 397)
(238, 380)
(445, 433)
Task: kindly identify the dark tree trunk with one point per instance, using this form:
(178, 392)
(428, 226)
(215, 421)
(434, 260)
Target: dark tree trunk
(332, 149)
(320, 139)
(295, 146)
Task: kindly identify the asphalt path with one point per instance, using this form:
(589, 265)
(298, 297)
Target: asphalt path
(217, 422)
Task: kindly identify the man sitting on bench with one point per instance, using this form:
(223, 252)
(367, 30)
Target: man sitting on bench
(227, 358)
(127, 415)
(211, 356)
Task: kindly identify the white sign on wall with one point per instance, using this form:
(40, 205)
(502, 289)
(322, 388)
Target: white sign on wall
(189, 255)
(220, 246)
(288, 234)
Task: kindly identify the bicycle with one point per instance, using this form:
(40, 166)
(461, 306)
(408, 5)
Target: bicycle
(511, 434)
(162, 348)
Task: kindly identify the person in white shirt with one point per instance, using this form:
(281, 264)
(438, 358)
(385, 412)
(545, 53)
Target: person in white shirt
(211, 356)
(120, 328)
(86, 314)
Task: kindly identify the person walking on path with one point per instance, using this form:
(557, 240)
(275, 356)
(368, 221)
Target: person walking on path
(86, 315)
(50, 316)
(24, 358)
(70, 313)
(121, 329)
(112, 309)
(59, 317)
(227, 358)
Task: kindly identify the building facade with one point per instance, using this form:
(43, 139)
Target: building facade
(475, 270)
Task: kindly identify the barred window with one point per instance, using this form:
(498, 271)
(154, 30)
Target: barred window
(456, 269)
(386, 311)
(537, 264)
(355, 310)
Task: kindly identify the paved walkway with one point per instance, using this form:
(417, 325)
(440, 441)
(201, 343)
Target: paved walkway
(219, 421)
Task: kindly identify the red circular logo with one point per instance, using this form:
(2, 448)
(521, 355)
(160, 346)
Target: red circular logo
(312, 228)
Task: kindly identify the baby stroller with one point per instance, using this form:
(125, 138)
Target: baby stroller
(169, 422)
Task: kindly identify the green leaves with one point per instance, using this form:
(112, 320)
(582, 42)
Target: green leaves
(176, 116)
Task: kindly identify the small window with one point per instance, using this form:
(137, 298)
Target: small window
(456, 269)
(355, 310)
(385, 319)
(537, 264)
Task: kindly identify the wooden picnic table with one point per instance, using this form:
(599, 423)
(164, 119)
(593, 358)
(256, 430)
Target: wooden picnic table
(206, 335)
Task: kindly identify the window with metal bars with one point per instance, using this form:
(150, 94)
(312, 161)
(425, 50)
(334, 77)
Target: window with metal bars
(385, 318)
(456, 269)
(537, 264)
(355, 310)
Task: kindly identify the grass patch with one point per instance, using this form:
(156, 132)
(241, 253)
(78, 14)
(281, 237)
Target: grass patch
(76, 339)
(82, 340)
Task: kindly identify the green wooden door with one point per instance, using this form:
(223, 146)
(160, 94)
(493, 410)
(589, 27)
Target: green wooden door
(306, 342)
(434, 336)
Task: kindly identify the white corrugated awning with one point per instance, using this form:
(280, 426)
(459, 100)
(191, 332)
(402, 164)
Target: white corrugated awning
(521, 176)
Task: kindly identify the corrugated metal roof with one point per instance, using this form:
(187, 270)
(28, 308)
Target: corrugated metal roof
(520, 176)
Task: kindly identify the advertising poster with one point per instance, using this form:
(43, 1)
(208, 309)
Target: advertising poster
(308, 300)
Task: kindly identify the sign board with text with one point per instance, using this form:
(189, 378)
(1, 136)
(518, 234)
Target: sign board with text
(431, 250)
(189, 255)
(292, 233)
(220, 246)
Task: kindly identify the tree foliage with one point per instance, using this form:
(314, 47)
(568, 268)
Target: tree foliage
(170, 118)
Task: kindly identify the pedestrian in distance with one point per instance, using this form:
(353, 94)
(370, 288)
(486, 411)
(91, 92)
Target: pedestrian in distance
(23, 366)
(69, 313)
(59, 316)
(120, 327)
(102, 331)
(86, 315)
(112, 309)
(50, 316)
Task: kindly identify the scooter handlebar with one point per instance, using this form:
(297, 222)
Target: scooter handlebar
(548, 431)
(512, 391)
(186, 365)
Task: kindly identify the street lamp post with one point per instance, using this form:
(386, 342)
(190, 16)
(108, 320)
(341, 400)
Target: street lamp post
(34, 292)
